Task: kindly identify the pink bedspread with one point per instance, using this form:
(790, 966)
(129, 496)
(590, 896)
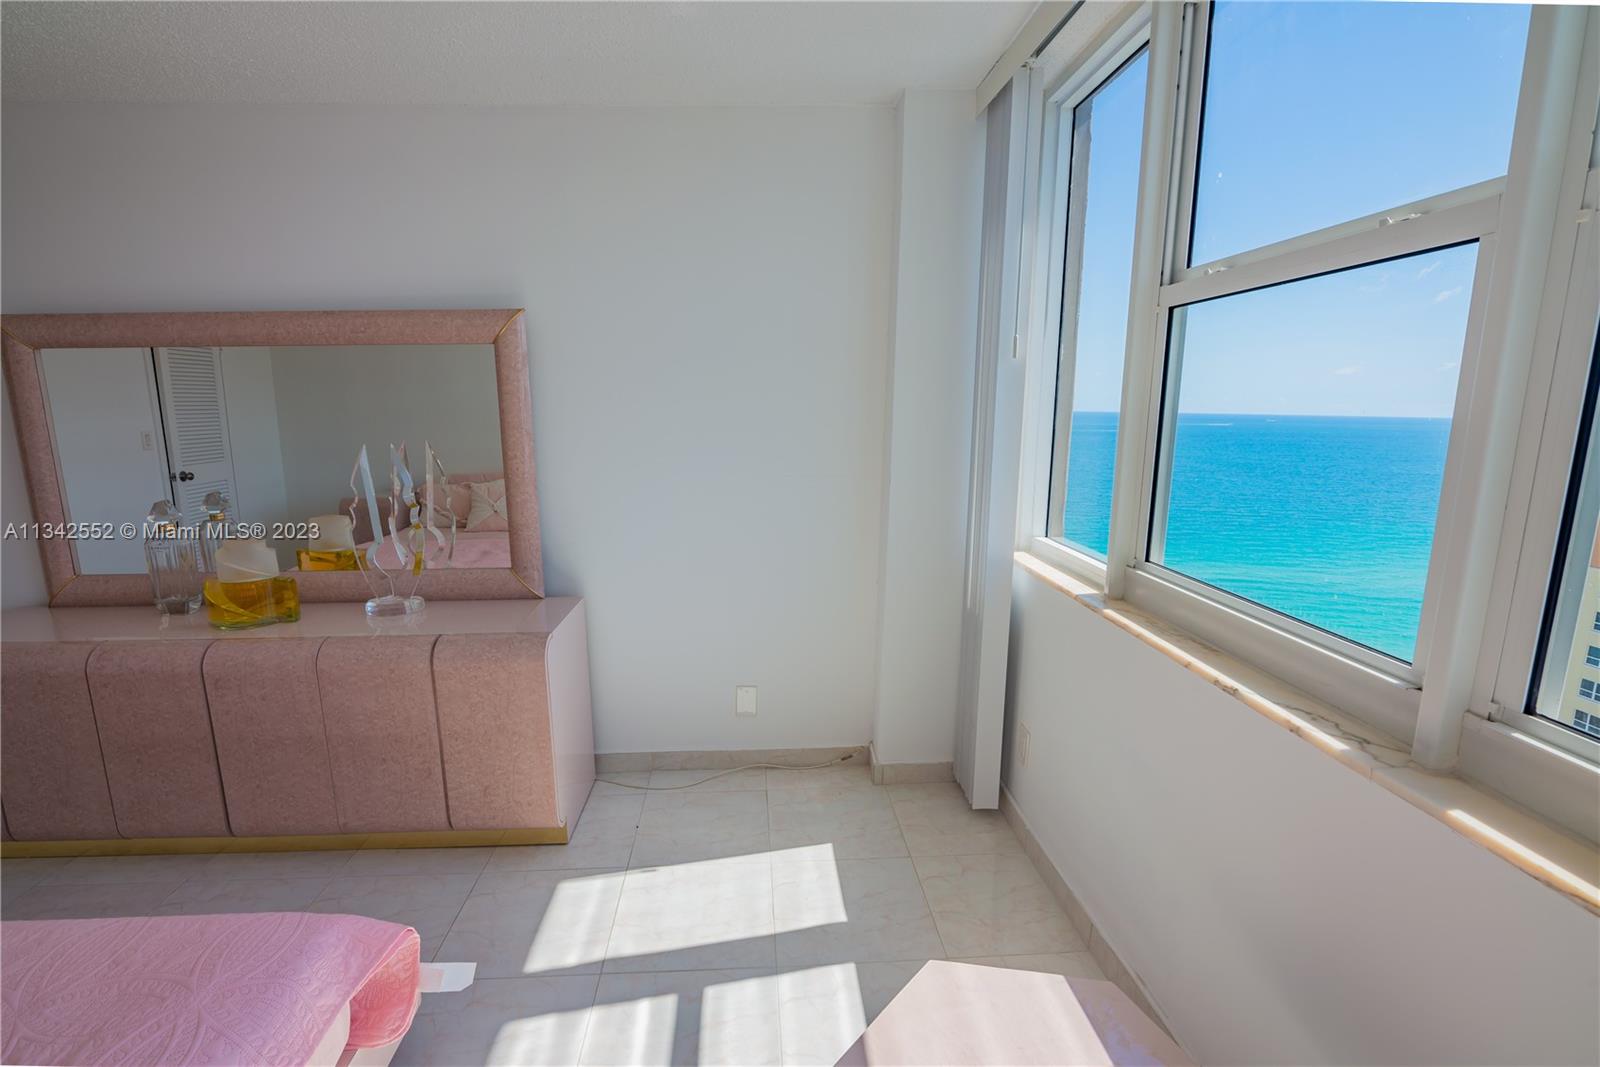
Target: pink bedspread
(205, 989)
(474, 548)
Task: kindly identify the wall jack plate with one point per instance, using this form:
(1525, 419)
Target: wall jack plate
(744, 700)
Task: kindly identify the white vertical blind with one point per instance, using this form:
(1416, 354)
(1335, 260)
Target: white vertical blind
(996, 453)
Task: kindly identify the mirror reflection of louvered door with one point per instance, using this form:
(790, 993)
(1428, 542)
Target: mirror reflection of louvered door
(195, 419)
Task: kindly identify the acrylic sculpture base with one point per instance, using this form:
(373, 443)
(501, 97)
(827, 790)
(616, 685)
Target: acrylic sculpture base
(380, 607)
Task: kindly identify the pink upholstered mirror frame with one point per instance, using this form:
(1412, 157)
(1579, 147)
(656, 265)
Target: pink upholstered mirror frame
(25, 335)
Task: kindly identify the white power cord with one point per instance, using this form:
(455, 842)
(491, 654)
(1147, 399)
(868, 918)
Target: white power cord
(730, 770)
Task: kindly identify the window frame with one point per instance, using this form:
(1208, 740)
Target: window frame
(1061, 92)
(1070, 225)
(1524, 656)
(1460, 225)
(1563, 370)
(1464, 674)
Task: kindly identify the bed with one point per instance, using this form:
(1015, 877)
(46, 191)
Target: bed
(272, 988)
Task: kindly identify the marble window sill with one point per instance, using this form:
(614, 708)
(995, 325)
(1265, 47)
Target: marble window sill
(1563, 862)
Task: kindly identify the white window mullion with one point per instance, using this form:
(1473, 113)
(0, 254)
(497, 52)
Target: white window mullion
(1400, 217)
(1075, 131)
(1185, 146)
(1141, 373)
(1163, 423)
(1465, 219)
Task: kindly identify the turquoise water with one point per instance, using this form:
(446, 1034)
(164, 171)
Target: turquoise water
(1328, 519)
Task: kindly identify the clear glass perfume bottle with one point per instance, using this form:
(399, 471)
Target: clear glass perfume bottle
(173, 560)
(214, 531)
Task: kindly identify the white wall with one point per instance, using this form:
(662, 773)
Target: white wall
(332, 401)
(254, 441)
(1279, 908)
(935, 329)
(708, 304)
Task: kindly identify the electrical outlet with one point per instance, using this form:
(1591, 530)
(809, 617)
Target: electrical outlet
(147, 441)
(1024, 743)
(744, 700)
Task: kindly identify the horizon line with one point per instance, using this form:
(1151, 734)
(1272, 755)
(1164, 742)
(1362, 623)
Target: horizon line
(1277, 415)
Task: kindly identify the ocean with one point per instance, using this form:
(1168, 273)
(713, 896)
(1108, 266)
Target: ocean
(1326, 518)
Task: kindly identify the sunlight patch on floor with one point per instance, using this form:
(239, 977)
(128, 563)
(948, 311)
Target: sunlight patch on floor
(739, 1021)
(813, 890)
(576, 924)
(642, 1030)
(823, 1012)
(554, 1037)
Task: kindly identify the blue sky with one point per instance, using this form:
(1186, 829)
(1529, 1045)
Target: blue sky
(1316, 113)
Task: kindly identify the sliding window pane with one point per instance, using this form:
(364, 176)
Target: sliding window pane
(1318, 113)
(1306, 438)
(1102, 195)
(1567, 685)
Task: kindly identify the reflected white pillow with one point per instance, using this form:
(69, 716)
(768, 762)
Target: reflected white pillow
(487, 510)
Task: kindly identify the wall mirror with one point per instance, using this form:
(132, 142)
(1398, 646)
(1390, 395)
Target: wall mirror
(270, 410)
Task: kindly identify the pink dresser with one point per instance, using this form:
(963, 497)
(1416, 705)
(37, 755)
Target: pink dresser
(468, 723)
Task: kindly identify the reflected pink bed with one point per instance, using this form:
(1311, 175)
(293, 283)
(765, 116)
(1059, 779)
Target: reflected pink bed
(474, 548)
(205, 989)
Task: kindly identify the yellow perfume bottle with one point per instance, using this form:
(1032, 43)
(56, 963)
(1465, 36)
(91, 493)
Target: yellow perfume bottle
(331, 548)
(247, 589)
(311, 559)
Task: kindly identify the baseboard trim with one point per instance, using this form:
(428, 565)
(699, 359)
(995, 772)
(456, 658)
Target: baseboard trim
(165, 846)
(721, 759)
(908, 773)
(1106, 956)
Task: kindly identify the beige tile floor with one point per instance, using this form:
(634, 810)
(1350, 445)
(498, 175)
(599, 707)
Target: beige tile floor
(764, 917)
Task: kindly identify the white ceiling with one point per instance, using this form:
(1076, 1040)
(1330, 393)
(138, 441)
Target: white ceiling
(499, 54)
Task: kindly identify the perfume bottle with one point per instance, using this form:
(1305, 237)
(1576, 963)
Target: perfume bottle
(214, 531)
(174, 561)
(331, 548)
(247, 589)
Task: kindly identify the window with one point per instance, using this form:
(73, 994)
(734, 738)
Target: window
(1307, 444)
(1301, 100)
(1565, 653)
(1589, 724)
(1350, 306)
(1102, 193)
